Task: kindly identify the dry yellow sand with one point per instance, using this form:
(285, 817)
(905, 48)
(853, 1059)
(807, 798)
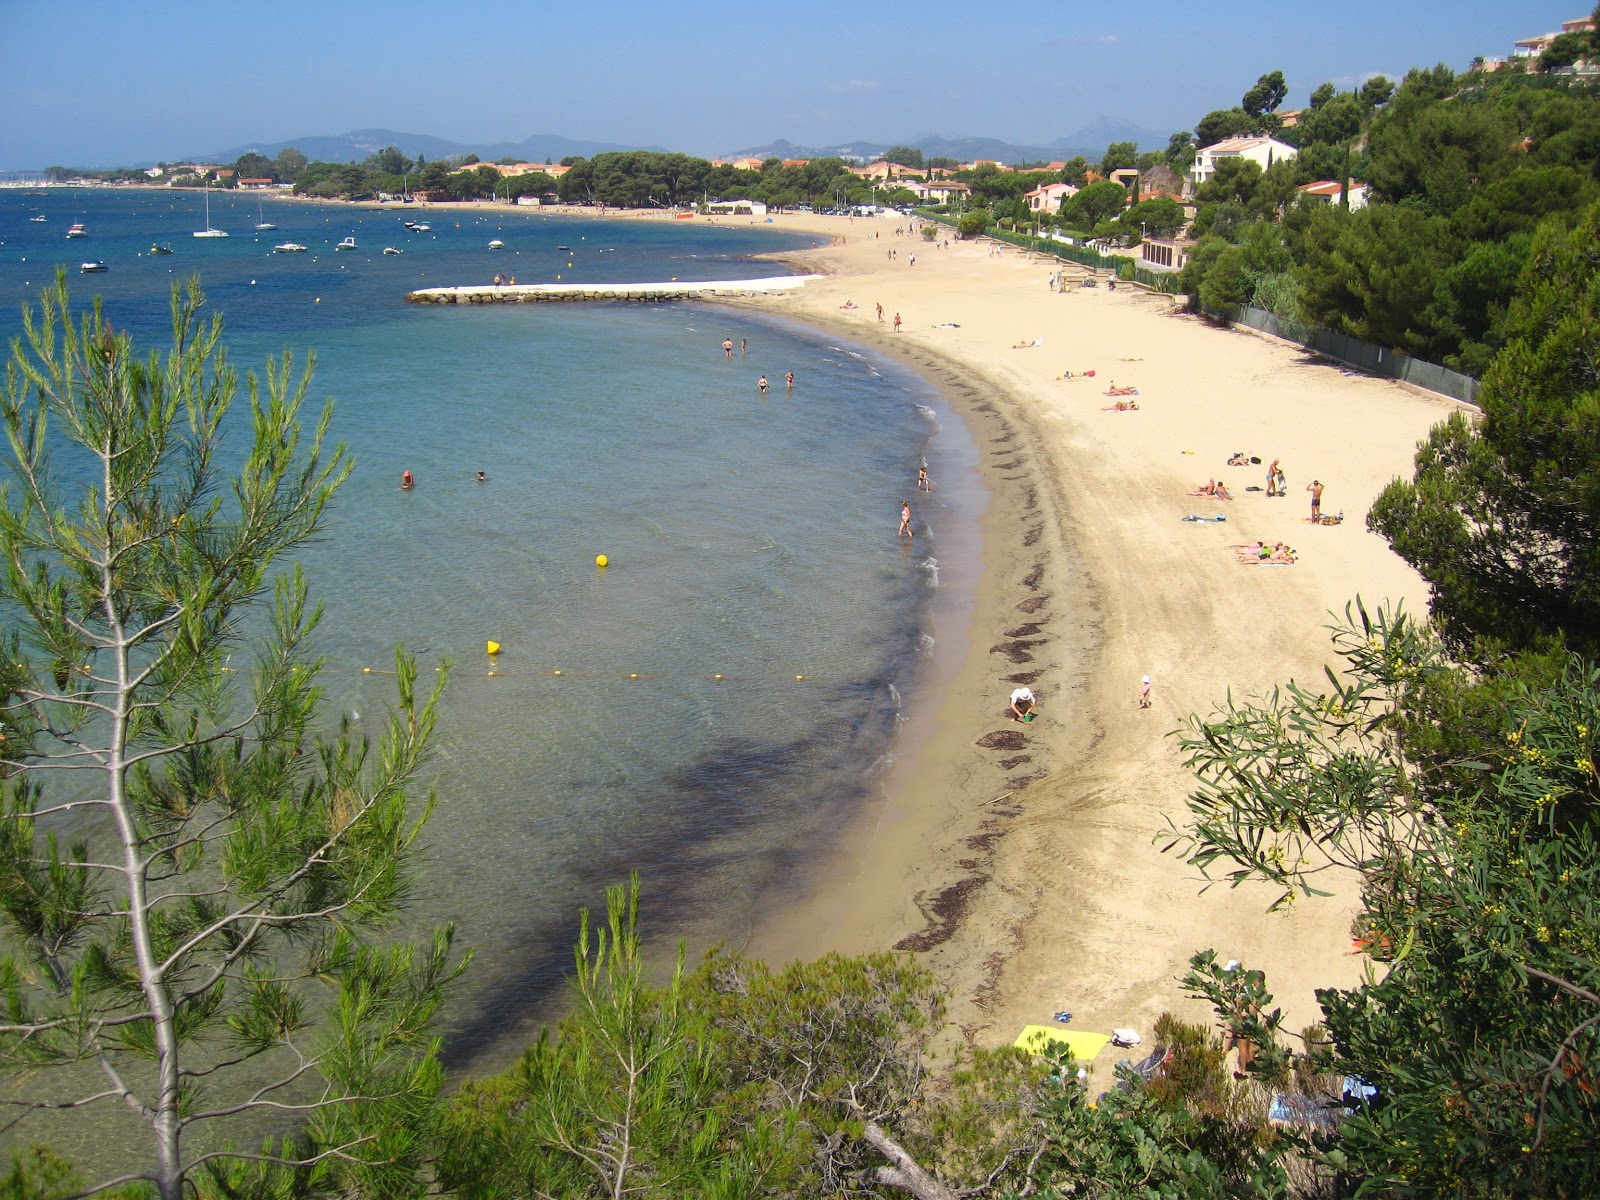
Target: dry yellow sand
(1029, 878)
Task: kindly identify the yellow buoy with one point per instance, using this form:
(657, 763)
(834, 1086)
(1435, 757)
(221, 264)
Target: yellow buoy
(716, 677)
(600, 560)
(494, 647)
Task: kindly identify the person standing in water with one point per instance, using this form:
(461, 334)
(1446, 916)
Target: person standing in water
(788, 381)
(727, 347)
(922, 480)
(905, 519)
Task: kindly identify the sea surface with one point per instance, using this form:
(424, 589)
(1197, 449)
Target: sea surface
(709, 709)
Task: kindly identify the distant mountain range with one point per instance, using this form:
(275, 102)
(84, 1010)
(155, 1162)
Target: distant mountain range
(360, 143)
(1090, 141)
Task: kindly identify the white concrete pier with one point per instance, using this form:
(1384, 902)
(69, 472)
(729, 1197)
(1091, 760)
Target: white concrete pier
(528, 293)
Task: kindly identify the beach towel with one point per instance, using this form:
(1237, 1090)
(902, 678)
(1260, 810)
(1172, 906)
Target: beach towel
(1193, 517)
(1081, 1044)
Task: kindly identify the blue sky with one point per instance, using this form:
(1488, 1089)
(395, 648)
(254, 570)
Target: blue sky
(106, 82)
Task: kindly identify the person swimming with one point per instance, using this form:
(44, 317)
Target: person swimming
(406, 482)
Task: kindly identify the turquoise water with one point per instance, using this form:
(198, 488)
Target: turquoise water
(750, 536)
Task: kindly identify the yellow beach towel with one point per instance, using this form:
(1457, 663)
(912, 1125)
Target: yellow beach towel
(1080, 1043)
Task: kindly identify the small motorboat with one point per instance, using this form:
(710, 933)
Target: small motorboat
(567, 248)
(93, 268)
(421, 227)
(349, 243)
(77, 231)
(288, 248)
(497, 244)
(156, 248)
(38, 220)
(392, 250)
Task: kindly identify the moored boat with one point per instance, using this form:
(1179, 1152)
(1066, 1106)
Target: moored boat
(77, 231)
(157, 248)
(392, 250)
(497, 244)
(288, 248)
(93, 268)
(349, 243)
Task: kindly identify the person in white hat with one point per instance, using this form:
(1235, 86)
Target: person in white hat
(1144, 692)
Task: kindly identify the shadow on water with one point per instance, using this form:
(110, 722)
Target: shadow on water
(765, 813)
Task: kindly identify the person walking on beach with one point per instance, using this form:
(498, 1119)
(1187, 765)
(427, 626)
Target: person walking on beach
(905, 519)
(1272, 478)
(1315, 488)
(762, 384)
(727, 347)
(880, 313)
(911, 260)
(922, 480)
(897, 322)
(1144, 692)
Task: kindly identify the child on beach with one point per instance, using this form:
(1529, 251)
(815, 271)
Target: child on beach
(1144, 692)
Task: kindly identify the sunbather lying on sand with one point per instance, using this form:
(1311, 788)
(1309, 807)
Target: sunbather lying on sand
(1213, 487)
(1121, 406)
(1114, 390)
(1241, 459)
(1257, 554)
(1027, 345)
(848, 304)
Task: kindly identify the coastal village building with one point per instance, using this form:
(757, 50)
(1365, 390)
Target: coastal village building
(1164, 254)
(255, 183)
(1534, 46)
(554, 170)
(1327, 190)
(1048, 198)
(878, 170)
(1263, 151)
(939, 191)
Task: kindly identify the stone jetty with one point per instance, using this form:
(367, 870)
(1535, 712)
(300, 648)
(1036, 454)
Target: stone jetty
(650, 293)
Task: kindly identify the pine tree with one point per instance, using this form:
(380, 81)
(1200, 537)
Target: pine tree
(227, 861)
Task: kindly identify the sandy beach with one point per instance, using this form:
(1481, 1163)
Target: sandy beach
(1020, 860)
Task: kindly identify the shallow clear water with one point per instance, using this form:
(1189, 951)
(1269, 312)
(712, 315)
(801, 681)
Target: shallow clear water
(749, 536)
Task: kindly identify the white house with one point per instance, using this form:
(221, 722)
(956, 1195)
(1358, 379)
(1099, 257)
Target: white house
(1263, 151)
(938, 191)
(1327, 190)
(1049, 197)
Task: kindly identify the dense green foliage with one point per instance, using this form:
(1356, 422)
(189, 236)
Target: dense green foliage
(736, 1080)
(1480, 890)
(1501, 516)
(1461, 169)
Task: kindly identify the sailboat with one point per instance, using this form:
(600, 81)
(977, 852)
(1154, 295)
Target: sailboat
(261, 220)
(209, 232)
